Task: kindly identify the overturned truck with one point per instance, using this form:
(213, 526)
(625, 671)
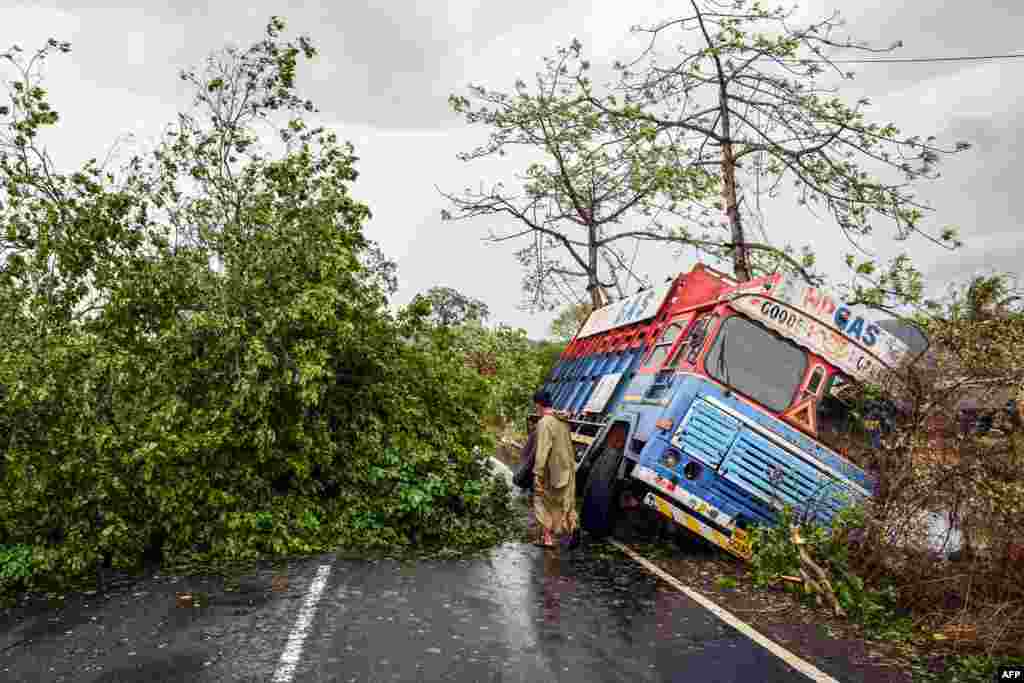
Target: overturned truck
(714, 402)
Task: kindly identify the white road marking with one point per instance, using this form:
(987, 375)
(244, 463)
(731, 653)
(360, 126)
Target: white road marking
(804, 667)
(293, 650)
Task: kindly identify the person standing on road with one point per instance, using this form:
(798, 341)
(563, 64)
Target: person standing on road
(554, 473)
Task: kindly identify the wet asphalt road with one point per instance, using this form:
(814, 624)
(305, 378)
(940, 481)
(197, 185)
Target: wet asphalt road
(522, 614)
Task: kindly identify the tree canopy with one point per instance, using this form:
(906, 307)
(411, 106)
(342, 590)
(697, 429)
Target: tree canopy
(568, 322)
(749, 99)
(592, 174)
(451, 307)
(682, 149)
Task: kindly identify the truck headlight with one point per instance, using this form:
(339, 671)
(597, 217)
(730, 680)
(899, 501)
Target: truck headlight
(692, 470)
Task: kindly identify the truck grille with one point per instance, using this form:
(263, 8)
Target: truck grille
(772, 473)
(707, 433)
(760, 468)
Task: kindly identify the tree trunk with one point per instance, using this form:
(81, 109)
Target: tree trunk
(593, 283)
(740, 265)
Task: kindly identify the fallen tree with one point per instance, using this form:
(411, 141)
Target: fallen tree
(198, 359)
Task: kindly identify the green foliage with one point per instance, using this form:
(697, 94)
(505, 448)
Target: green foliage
(16, 565)
(548, 353)
(895, 284)
(510, 365)
(775, 554)
(568, 322)
(199, 359)
(726, 582)
(451, 307)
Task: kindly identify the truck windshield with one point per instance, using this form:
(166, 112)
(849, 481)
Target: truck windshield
(756, 362)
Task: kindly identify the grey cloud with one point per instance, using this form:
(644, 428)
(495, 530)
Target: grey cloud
(389, 65)
(946, 29)
(984, 184)
(967, 264)
(980, 194)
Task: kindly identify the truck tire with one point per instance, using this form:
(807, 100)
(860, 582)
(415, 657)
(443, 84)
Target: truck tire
(600, 495)
(582, 474)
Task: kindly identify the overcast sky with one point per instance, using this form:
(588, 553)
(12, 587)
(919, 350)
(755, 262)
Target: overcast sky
(385, 71)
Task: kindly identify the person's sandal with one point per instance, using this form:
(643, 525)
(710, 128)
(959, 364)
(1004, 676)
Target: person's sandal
(540, 541)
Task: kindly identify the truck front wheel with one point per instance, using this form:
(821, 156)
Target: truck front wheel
(600, 496)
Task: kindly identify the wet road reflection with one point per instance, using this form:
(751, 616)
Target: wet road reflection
(523, 614)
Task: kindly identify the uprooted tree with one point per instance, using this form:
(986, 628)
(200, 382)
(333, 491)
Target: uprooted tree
(198, 360)
(958, 452)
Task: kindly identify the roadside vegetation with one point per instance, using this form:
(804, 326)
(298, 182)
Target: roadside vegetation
(954, 450)
(199, 361)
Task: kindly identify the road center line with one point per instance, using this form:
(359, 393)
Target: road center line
(293, 650)
(782, 653)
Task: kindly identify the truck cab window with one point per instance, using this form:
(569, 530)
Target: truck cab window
(691, 346)
(663, 380)
(661, 349)
(815, 382)
(834, 414)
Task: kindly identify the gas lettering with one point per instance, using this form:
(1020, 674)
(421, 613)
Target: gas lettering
(855, 328)
(867, 334)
